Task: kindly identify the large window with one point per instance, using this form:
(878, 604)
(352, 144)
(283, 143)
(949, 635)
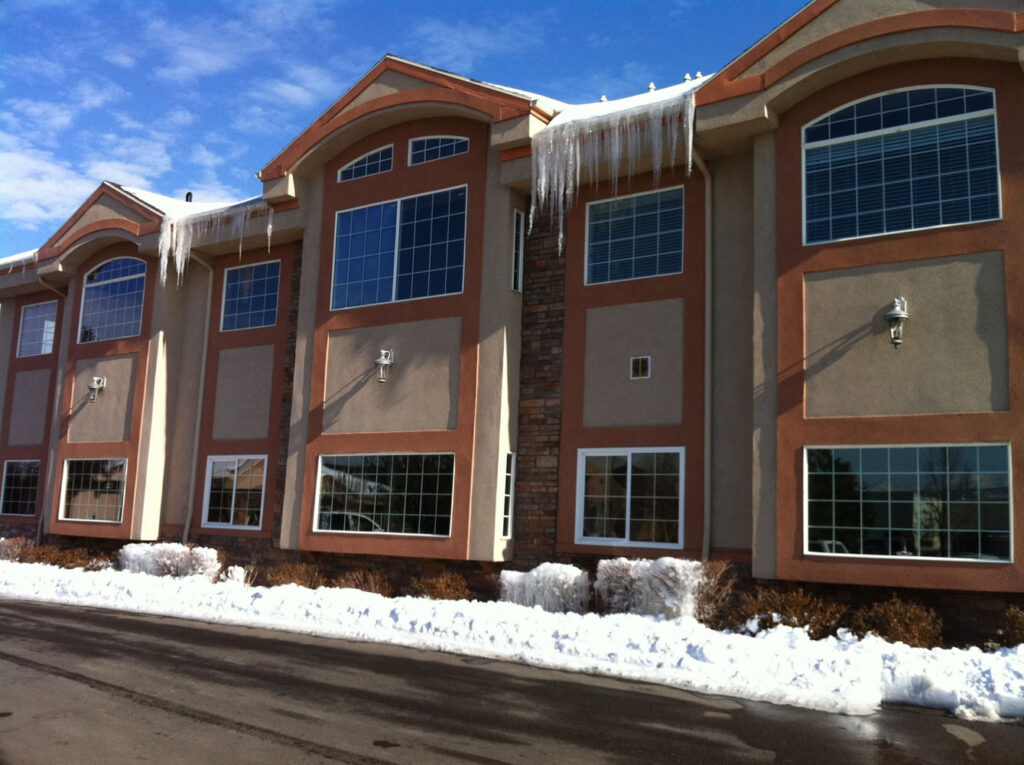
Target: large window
(400, 250)
(900, 161)
(378, 161)
(436, 147)
(38, 324)
(917, 501)
(93, 490)
(630, 497)
(234, 491)
(386, 493)
(635, 236)
(21, 487)
(112, 300)
(250, 296)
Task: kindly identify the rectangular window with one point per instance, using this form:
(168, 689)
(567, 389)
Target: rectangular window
(630, 497)
(640, 368)
(386, 493)
(518, 246)
(38, 324)
(931, 501)
(93, 490)
(634, 237)
(250, 296)
(510, 490)
(21, 487)
(400, 250)
(234, 491)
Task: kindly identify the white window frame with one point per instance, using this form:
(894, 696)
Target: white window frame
(85, 287)
(915, 558)
(518, 249)
(3, 488)
(224, 296)
(62, 515)
(586, 238)
(804, 145)
(581, 462)
(238, 458)
(364, 156)
(641, 360)
(438, 159)
(21, 329)
(508, 498)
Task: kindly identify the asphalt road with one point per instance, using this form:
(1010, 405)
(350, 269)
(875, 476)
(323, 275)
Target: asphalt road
(80, 685)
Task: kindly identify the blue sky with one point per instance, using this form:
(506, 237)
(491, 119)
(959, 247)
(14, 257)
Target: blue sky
(198, 96)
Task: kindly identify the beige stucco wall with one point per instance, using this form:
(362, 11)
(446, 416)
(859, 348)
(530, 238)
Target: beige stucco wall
(954, 355)
(7, 340)
(105, 208)
(244, 380)
(614, 335)
(388, 83)
(423, 392)
(108, 418)
(28, 407)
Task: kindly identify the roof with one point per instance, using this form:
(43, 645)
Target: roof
(641, 102)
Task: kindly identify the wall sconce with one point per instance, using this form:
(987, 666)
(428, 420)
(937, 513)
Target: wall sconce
(97, 384)
(383, 363)
(897, 316)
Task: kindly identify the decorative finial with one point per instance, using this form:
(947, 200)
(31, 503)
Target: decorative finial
(699, 74)
(650, 88)
(687, 78)
(603, 98)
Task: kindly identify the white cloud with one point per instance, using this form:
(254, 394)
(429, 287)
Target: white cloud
(88, 95)
(179, 117)
(34, 68)
(120, 58)
(203, 48)
(38, 189)
(131, 160)
(258, 119)
(458, 47)
(42, 120)
(203, 157)
(302, 86)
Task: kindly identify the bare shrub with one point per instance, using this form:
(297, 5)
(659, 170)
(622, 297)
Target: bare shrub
(12, 549)
(1013, 627)
(302, 574)
(715, 594)
(74, 557)
(900, 621)
(555, 587)
(171, 559)
(446, 586)
(365, 579)
(792, 608)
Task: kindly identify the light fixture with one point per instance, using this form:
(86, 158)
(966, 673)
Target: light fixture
(97, 384)
(384, 362)
(897, 316)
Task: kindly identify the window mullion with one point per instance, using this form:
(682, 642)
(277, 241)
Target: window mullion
(629, 495)
(397, 248)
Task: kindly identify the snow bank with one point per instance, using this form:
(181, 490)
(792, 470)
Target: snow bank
(664, 587)
(170, 559)
(555, 587)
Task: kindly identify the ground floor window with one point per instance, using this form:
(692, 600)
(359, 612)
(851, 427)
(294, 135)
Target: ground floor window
(93, 490)
(630, 496)
(386, 493)
(234, 491)
(21, 487)
(935, 501)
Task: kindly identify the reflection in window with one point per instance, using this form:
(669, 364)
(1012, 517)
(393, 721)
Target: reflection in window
(112, 300)
(234, 491)
(93, 490)
(635, 236)
(21, 487)
(378, 161)
(436, 147)
(250, 296)
(38, 324)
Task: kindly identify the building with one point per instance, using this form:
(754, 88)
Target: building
(691, 352)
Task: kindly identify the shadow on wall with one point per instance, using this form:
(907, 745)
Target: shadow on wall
(991, 291)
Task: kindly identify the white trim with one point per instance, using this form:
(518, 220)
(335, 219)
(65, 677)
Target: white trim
(86, 286)
(641, 376)
(364, 156)
(224, 295)
(61, 513)
(210, 459)
(410, 163)
(21, 326)
(518, 254)
(3, 488)
(510, 476)
(627, 451)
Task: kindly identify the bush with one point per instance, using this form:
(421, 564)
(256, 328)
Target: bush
(171, 559)
(446, 586)
(792, 608)
(1013, 627)
(12, 549)
(555, 587)
(896, 620)
(715, 594)
(74, 557)
(665, 587)
(365, 579)
(302, 574)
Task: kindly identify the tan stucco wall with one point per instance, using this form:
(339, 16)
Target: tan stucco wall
(28, 407)
(105, 208)
(732, 331)
(422, 393)
(389, 82)
(954, 355)
(614, 335)
(108, 418)
(7, 340)
(244, 380)
(149, 482)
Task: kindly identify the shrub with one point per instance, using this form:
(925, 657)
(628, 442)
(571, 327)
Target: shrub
(302, 574)
(170, 559)
(896, 620)
(13, 548)
(365, 579)
(1013, 627)
(666, 586)
(715, 594)
(446, 586)
(74, 557)
(242, 574)
(555, 587)
(793, 608)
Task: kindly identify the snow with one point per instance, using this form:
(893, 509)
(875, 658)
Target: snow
(782, 665)
(664, 587)
(9, 262)
(554, 587)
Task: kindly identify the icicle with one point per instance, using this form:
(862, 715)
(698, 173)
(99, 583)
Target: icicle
(270, 226)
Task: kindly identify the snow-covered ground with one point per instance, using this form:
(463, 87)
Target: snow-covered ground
(782, 665)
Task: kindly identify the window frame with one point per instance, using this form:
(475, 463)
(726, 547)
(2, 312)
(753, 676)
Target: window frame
(224, 295)
(627, 451)
(518, 249)
(508, 496)
(62, 512)
(412, 141)
(85, 291)
(398, 243)
(586, 237)
(804, 144)
(3, 489)
(364, 156)
(835, 557)
(21, 329)
(206, 523)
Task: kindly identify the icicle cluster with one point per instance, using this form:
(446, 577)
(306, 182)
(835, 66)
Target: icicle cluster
(176, 234)
(562, 151)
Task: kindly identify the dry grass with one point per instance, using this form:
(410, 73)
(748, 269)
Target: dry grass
(365, 579)
(1013, 627)
(901, 621)
(13, 548)
(715, 594)
(446, 586)
(793, 608)
(302, 574)
(72, 557)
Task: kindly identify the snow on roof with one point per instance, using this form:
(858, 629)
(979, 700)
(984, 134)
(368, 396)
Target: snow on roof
(641, 103)
(171, 207)
(10, 261)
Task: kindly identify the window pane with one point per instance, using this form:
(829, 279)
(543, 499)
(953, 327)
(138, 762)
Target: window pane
(38, 324)
(436, 147)
(250, 296)
(21, 486)
(370, 164)
(635, 237)
(94, 490)
(112, 301)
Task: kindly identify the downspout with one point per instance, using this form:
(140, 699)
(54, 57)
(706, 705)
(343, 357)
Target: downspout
(199, 406)
(58, 397)
(705, 548)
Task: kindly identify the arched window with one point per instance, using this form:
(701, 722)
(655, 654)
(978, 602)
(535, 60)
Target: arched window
(376, 161)
(907, 159)
(112, 300)
(429, 148)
